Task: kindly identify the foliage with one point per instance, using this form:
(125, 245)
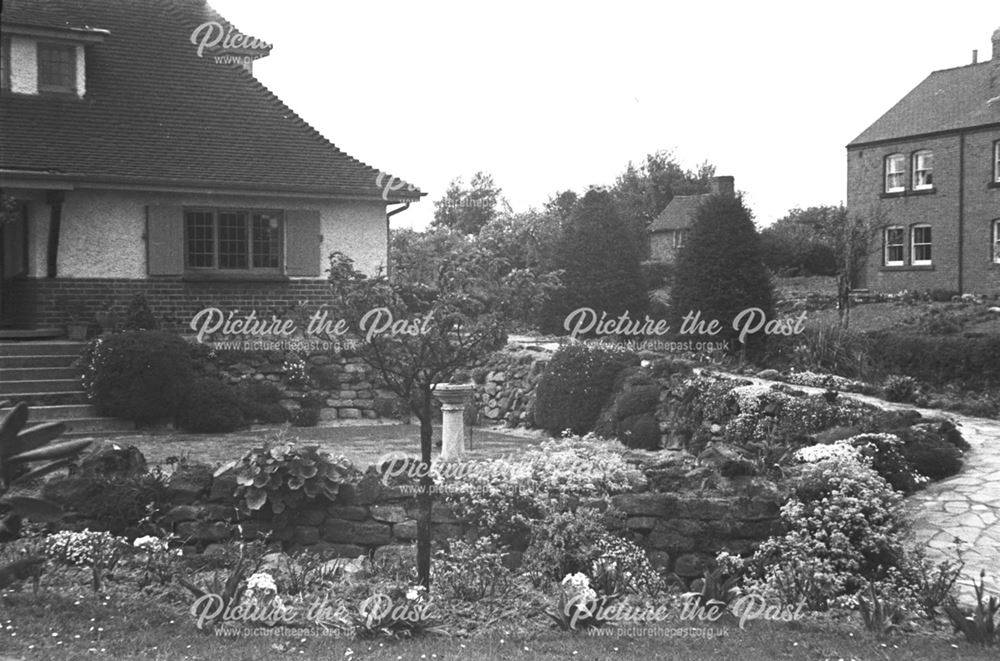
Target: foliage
(285, 477)
(930, 453)
(844, 527)
(978, 627)
(140, 376)
(826, 348)
(210, 406)
(138, 315)
(469, 209)
(971, 362)
(472, 571)
(564, 542)
(295, 372)
(720, 272)
(260, 401)
(884, 453)
(882, 610)
(793, 245)
(118, 504)
(577, 604)
(619, 566)
(100, 551)
(306, 416)
(599, 260)
(159, 561)
(503, 496)
(575, 385)
(899, 388)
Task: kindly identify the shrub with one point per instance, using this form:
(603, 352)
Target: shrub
(720, 271)
(900, 388)
(844, 528)
(116, 504)
(563, 543)
(138, 315)
(260, 401)
(141, 376)
(306, 416)
(929, 453)
(210, 406)
(472, 571)
(972, 362)
(887, 458)
(575, 385)
(826, 348)
(657, 274)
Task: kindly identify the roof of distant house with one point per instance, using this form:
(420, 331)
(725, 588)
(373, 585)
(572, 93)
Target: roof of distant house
(947, 100)
(157, 113)
(678, 214)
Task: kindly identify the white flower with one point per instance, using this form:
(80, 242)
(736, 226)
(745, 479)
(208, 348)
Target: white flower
(262, 581)
(147, 543)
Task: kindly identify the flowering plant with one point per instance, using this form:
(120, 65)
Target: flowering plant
(100, 551)
(578, 604)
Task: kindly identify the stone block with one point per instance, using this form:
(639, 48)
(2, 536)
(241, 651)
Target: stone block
(217, 512)
(349, 414)
(660, 505)
(641, 523)
(310, 516)
(180, 513)
(359, 533)
(389, 513)
(348, 512)
(204, 531)
(405, 530)
(306, 535)
(691, 565)
(223, 488)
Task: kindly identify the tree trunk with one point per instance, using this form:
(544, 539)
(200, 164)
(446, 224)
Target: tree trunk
(424, 499)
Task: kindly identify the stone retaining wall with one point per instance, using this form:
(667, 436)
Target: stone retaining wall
(505, 387)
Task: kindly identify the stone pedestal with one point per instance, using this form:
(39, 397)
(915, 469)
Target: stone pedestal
(453, 398)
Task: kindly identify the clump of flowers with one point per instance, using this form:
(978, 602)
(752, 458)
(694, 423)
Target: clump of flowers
(100, 551)
(158, 558)
(621, 567)
(472, 571)
(295, 371)
(577, 604)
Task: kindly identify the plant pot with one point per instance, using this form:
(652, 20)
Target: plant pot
(77, 331)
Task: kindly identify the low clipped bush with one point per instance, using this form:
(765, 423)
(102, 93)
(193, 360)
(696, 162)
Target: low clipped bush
(260, 401)
(575, 386)
(140, 376)
(929, 453)
(210, 406)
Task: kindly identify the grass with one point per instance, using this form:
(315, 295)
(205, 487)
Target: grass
(362, 444)
(129, 626)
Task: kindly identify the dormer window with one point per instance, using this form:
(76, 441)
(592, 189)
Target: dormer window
(56, 68)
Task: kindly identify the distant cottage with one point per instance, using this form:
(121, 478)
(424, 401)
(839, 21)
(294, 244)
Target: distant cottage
(670, 229)
(139, 154)
(931, 167)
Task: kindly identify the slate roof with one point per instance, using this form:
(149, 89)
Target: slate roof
(155, 113)
(947, 100)
(678, 214)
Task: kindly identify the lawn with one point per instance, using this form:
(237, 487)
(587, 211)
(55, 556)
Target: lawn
(361, 444)
(122, 626)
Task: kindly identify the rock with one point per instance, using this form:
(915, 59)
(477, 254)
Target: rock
(400, 554)
(311, 516)
(690, 565)
(641, 523)
(389, 513)
(348, 512)
(352, 532)
(71, 490)
(406, 530)
(338, 550)
(113, 461)
(178, 514)
(190, 482)
(660, 560)
(204, 531)
(349, 414)
(770, 374)
(662, 505)
(223, 487)
(306, 535)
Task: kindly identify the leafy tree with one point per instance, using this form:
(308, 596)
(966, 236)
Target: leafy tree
(416, 256)
(641, 193)
(452, 323)
(795, 244)
(600, 264)
(469, 209)
(719, 270)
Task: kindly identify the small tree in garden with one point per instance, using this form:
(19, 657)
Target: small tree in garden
(720, 272)
(415, 335)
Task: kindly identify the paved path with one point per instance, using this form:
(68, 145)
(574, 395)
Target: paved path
(966, 506)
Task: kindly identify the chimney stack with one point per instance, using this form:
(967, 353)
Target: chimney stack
(975, 57)
(996, 47)
(723, 186)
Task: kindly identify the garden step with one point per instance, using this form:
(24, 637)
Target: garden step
(42, 386)
(56, 348)
(46, 398)
(39, 414)
(80, 426)
(35, 373)
(28, 360)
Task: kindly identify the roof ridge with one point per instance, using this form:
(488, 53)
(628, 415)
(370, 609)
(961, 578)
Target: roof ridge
(966, 66)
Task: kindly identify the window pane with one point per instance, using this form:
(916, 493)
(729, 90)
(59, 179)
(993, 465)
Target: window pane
(923, 169)
(266, 235)
(921, 244)
(894, 172)
(200, 232)
(56, 67)
(233, 244)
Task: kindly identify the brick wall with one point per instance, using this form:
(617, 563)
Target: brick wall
(940, 209)
(50, 302)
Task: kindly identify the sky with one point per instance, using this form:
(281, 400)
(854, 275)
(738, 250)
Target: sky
(551, 95)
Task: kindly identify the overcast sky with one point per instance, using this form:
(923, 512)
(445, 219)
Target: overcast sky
(548, 96)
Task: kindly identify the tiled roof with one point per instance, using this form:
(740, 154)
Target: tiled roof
(947, 100)
(157, 113)
(679, 213)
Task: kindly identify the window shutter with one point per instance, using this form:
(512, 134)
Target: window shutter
(302, 242)
(165, 240)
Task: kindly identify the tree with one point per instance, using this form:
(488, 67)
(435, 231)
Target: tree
(600, 264)
(720, 272)
(796, 244)
(468, 210)
(449, 324)
(642, 193)
(852, 237)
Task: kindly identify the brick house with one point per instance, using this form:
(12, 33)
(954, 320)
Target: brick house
(138, 153)
(929, 169)
(670, 228)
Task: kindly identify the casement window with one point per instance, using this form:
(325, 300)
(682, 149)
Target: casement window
(233, 243)
(56, 68)
(232, 239)
(895, 173)
(996, 161)
(920, 245)
(996, 241)
(895, 241)
(923, 170)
